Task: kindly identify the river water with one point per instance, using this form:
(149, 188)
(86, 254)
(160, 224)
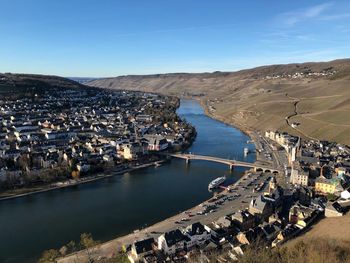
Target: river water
(116, 206)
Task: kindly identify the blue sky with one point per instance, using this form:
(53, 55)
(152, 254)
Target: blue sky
(108, 38)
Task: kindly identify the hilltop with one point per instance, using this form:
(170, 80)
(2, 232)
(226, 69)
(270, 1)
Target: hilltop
(16, 84)
(314, 97)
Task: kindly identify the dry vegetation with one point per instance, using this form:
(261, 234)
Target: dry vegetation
(328, 228)
(318, 250)
(250, 101)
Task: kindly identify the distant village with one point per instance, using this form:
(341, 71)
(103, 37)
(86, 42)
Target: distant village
(314, 184)
(302, 74)
(63, 136)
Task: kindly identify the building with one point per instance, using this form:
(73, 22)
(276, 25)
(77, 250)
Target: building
(298, 177)
(271, 230)
(197, 234)
(271, 135)
(141, 249)
(333, 210)
(290, 143)
(223, 222)
(251, 235)
(217, 232)
(302, 216)
(261, 207)
(157, 143)
(132, 151)
(326, 186)
(341, 171)
(304, 195)
(292, 153)
(173, 242)
(144, 118)
(243, 220)
(284, 235)
(345, 194)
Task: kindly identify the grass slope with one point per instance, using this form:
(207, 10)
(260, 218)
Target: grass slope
(250, 101)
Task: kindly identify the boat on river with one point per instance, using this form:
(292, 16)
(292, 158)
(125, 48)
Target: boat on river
(216, 183)
(246, 151)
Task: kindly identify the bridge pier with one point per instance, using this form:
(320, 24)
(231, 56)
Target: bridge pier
(187, 160)
(231, 167)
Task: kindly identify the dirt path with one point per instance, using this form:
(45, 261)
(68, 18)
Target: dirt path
(295, 113)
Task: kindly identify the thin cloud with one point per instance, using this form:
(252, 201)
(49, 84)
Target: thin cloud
(335, 17)
(294, 17)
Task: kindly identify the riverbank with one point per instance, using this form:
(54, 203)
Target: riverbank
(110, 248)
(252, 134)
(88, 179)
(189, 138)
(84, 180)
(127, 202)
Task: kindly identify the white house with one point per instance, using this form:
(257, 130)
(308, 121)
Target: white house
(345, 194)
(197, 234)
(298, 177)
(172, 242)
(157, 143)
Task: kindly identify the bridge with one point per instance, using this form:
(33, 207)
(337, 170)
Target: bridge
(230, 163)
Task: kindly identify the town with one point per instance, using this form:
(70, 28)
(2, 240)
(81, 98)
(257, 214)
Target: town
(175, 131)
(307, 73)
(64, 137)
(264, 206)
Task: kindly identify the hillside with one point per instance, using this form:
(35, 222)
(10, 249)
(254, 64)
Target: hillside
(81, 80)
(328, 228)
(261, 98)
(17, 84)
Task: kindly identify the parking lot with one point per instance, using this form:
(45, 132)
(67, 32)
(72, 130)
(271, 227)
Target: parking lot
(235, 197)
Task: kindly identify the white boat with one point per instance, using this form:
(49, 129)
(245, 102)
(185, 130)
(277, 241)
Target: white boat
(246, 151)
(216, 183)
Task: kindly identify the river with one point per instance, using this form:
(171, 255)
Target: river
(123, 203)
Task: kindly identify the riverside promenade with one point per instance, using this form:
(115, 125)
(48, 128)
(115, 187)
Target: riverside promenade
(110, 248)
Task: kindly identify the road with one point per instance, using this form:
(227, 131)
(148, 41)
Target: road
(231, 163)
(268, 152)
